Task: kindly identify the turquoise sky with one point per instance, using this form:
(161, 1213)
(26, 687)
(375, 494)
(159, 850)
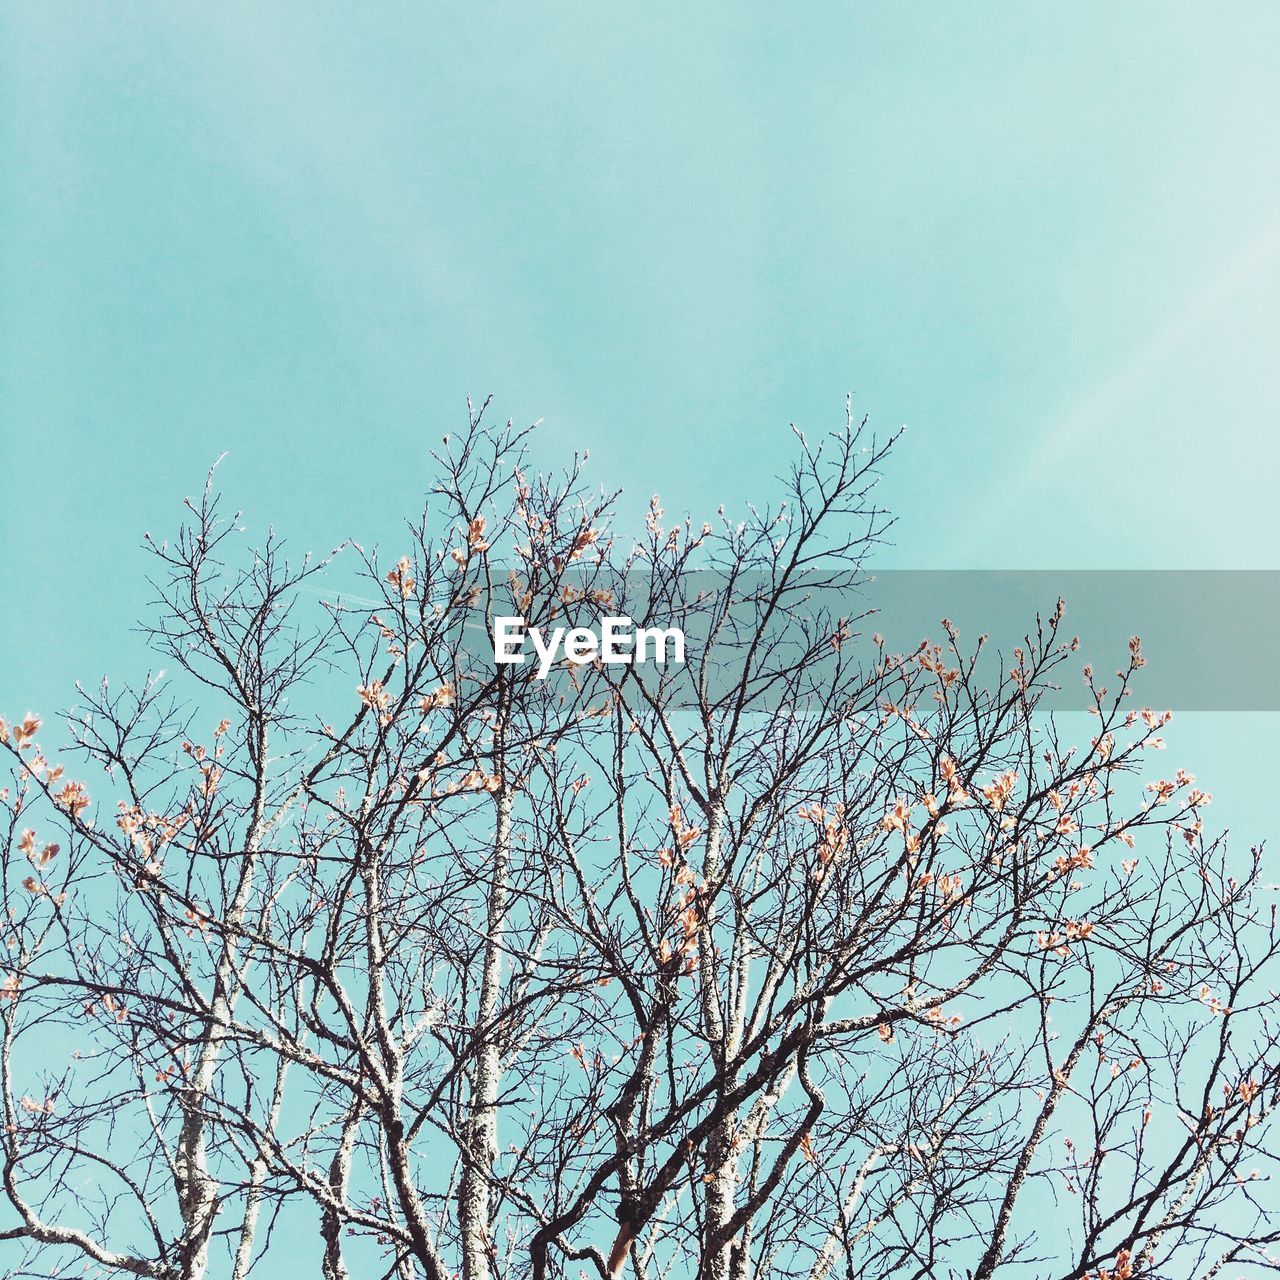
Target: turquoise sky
(1047, 240)
(1045, 237)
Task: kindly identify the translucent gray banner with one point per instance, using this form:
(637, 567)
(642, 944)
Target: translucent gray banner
(1208, 635)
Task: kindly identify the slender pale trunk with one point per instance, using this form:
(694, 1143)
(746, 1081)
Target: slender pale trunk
(841, 1235)
(481, 1131)
(257, 1175)
(333, 1267)
(390, 1071)
(995, 1250)
(723, 1032)
(197, 1189)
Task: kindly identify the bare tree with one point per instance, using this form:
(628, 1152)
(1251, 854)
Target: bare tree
(803, 958)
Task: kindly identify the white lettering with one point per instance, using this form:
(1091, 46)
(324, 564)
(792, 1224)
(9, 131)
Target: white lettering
(618, 644)
(660, 637)
(611, 641)
(580, 645)
(546, 654)
(506, 633)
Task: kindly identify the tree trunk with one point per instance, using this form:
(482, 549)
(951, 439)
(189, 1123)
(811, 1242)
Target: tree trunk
(481, 1133)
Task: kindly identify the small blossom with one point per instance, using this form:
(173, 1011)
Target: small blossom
(401, 577)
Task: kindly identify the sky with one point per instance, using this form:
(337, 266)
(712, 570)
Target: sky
(302, 235)
(1047, 240)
